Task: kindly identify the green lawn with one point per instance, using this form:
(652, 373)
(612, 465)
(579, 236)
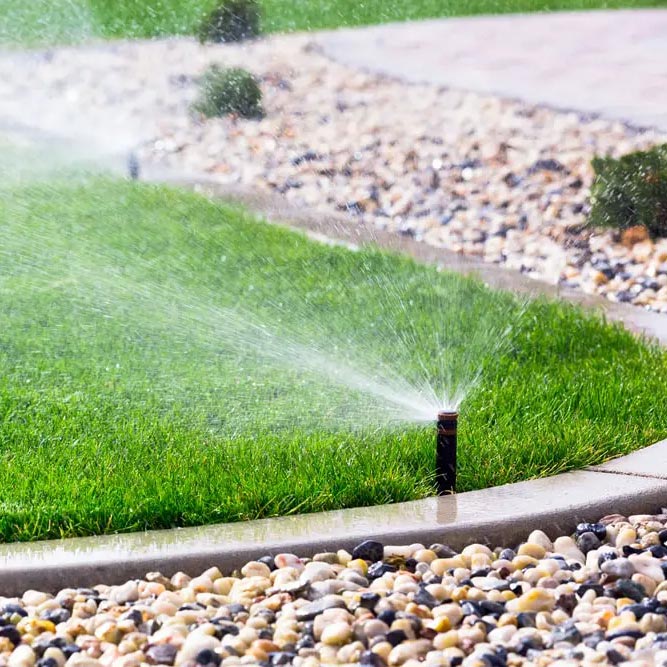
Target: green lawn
(47, 21)
(165, 360)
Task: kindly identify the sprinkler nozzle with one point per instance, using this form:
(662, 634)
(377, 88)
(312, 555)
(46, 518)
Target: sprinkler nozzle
(133, 166)
(445, 452)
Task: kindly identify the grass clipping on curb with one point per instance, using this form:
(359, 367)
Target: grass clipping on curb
(131, 397)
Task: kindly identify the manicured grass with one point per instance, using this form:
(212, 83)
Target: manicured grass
(162, 360)
(73, 20)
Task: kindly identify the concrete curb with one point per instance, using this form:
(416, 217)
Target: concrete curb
(499, 515)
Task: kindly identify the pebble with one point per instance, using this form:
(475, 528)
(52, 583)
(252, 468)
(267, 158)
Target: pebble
(535, 600)
(288, 560)
(587, 542)
(22, 656)
(317, 572)
(595, 597)
(532, 550)
(541, 538)
(309, 611)
(194, 645)
(648, 566)
(619, 568)
(567, 547)
(128, 592)
(163, 654)
(369, 551)
(256, 569)
(336, 634)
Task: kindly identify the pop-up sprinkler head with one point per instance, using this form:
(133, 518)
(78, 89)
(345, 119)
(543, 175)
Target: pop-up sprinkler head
(445, 452)
(133, 166)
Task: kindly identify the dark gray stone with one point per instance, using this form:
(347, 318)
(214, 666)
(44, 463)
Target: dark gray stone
(566, 632)
(309, 611)
(588, 542)
(369, 550)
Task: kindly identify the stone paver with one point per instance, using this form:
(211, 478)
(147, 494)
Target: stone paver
(608, 62)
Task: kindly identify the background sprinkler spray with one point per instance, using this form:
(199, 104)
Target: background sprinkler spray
(133, 167)
(445, 453)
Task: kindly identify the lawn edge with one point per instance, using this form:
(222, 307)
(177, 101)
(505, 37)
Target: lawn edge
(337, 229)
(502, 515)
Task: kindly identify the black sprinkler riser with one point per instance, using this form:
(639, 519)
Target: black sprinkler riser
(445, 452)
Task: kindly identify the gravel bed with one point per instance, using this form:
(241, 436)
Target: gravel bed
(497, 179)
(597, 597)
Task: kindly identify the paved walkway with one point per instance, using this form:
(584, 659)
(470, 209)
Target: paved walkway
(611, 62)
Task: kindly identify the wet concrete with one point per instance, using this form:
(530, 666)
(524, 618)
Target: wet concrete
(612, 63)
(648, 462)
(501, 515)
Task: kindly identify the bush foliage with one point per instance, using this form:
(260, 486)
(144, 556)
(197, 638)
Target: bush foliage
(631, 190)
(229, 91)
(231, 21)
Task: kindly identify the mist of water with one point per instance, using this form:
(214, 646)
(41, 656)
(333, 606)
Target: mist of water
(350, 377)
(45, 21)
(375, 392)
(385, 373)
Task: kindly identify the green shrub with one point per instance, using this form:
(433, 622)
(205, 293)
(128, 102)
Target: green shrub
(631, 190)
(229, 91)
(231, 21)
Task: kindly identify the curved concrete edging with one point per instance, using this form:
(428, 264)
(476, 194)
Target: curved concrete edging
(499, 515)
